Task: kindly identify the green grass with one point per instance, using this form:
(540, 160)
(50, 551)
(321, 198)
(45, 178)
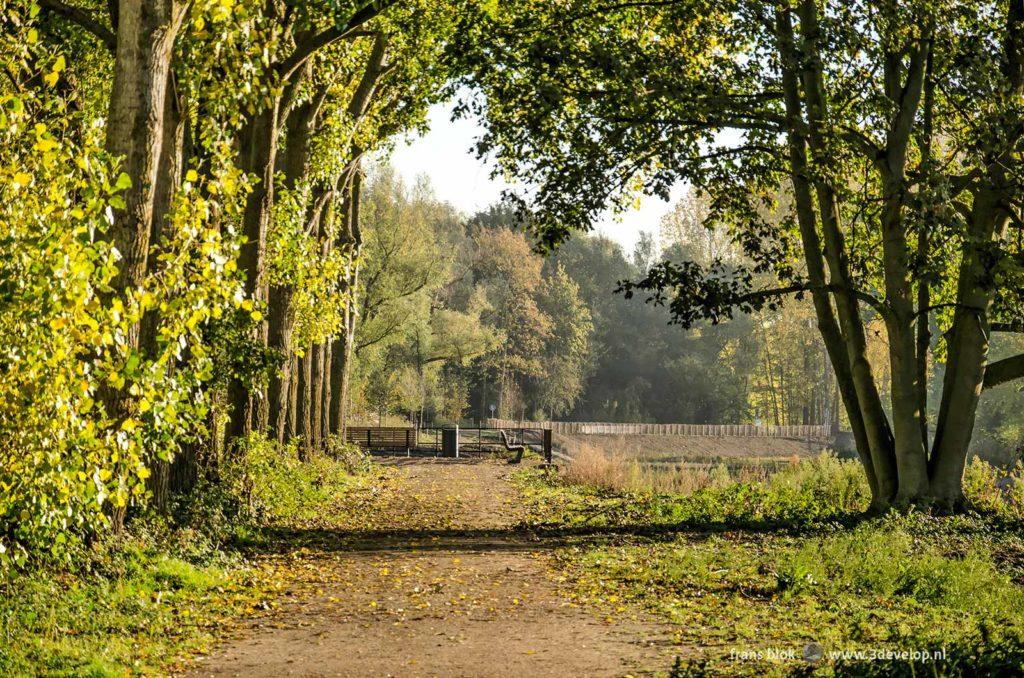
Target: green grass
(748, 567)
(140, 603)
(142, 613)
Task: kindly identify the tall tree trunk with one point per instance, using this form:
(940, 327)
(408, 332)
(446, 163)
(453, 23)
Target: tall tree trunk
(169, 174)
(300, 127)
(325, 397)
(836, 345)
(923, 237)
(281, 326)
(316, 401)
(293, 397)
(145, 35)
(968, 342)
(904, 88)
(258, 143)
(349, 239)
(869, 402)
(146, 30)
(967, 348)
(343, 352)
(304, 418)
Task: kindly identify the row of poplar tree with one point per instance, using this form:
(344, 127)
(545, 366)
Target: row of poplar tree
(180, 186)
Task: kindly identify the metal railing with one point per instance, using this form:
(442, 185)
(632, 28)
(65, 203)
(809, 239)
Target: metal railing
(471, 439)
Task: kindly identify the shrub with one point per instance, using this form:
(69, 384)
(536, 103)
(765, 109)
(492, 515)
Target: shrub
(268, 484)
(814, 489)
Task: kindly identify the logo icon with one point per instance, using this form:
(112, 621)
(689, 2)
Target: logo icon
(813, 652)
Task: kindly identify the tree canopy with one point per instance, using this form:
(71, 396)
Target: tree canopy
(887, 133)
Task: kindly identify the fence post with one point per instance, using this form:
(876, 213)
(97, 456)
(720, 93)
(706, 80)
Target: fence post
(547, 445)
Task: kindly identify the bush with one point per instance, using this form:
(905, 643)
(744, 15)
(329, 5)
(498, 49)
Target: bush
(822, 487)
(267, 484)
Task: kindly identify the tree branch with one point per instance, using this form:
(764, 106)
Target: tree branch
(309, 47)
(1002, 371)
(864, 143)
(318, 208)
(83, 18)
(381, 336)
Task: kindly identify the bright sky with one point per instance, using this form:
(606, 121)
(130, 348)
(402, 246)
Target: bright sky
(446, 157)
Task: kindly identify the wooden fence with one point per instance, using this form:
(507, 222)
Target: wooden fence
(382, 437)
(706, 430)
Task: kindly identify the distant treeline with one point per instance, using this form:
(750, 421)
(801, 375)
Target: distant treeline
(458, 315)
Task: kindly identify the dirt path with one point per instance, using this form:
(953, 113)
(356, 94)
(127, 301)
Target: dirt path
(445, 586)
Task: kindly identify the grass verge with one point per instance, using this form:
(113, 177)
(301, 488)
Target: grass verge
(753, 573)
(139, 604)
